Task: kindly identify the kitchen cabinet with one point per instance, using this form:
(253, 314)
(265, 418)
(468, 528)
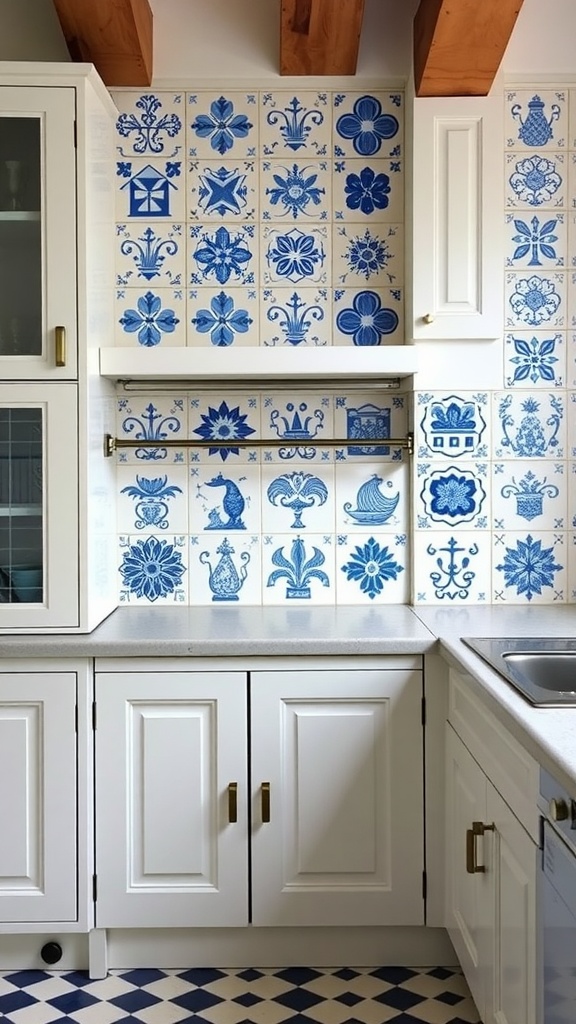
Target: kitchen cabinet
(57, 565)
(318, 820)
(491, 867)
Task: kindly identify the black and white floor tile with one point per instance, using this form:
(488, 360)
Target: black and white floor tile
(294, 995)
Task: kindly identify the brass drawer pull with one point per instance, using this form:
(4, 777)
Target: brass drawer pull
(232, 802)
(60, 346)
(478, 829)
(265, 794)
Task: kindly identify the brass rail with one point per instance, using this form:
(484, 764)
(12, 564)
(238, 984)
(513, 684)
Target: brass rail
(113, 444)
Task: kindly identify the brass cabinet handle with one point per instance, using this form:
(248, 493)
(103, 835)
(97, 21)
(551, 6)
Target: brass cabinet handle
(232, 802)
(478, 829)
(60, 346)
(265, 796)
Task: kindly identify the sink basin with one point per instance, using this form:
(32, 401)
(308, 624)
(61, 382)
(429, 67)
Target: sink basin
(543, 670)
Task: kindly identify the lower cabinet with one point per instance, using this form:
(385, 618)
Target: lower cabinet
(275, 798)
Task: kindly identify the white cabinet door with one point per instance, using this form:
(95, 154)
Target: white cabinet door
(170, 747)
(339, 754)
(38, 860)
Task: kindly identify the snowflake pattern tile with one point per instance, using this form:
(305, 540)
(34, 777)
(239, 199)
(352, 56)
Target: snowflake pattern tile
(150, 125)
(295, 124)
(536, 120)
(452, 567)
(368, 255)
(529, 495)
(151, 189)
(223, 316)
(225, 569)
(372, 568)
(222, 190)
(536, 181)
(225, 500)
(296, 316)
(368, 124)
(529, 567)
(222, 125)
(152, 254)
(150, 317)
(298, 569)
(534, 359)
(368, 190)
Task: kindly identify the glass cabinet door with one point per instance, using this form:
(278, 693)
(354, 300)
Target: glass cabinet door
(37, 234)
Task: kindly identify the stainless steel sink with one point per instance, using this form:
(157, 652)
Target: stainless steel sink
(543, 670)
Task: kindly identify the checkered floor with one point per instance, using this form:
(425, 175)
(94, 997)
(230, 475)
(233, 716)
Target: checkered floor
(295, 995)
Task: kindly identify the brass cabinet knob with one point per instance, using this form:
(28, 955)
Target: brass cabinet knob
(558, 810)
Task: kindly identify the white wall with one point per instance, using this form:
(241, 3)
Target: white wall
(30, 30)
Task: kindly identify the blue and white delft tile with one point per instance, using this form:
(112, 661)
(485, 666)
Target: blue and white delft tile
(372, 497)
(571, 359)
(301, 420)
(372, 568)
(224, 417)
(536, 241)
(142, 418)
(368, 317)
(452, 426)
(535, 300)
(452, 567)
(368, 190)
(295, 254)
(368, 255)
(530, 567)
(223, 316)
(224, 500)
(299, 500)
(222, 124)
(151, 189)
(222, 254)
(529, 495)
(536, 121)
(225, 569)
(150, 254)
(535, 359)
(149, 501)
(572, 119)
(153, 569)
(571, 429)
(221, 190)
(298, 569)
(452, 495)
(150, 317)
(362, 417)
(536, 181)
(295, 125)
(150, 124)
(296, 316)
(368, 124)
(531, 426)
(295, 190)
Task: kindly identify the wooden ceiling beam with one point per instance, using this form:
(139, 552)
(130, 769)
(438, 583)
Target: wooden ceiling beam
(459, 45)
(114, 35)
(320, 37)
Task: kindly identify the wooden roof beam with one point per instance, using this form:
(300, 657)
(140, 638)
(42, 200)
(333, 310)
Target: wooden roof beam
(114, 35)
(320, 37)
(459, 45)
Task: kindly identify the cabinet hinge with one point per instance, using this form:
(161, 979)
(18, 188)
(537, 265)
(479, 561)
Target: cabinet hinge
(94, 715)
(424, 885)
(94, 888)
(423, 710)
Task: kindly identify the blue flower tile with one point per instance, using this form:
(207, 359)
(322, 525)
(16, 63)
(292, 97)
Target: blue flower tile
(295, 124)
(221, 190)
(368, 124)
(298, 497)
(452, 495)
(536, 241)
(150, 317)
(534, 359)
(536, 120)
(372, 568)
(298, 569)
(368, 255)
(452, 426)
(368, 317)
(150, 501)
(153, 570)
(150, 189)
(225, 569)
(223, 316)
(222, 124)
(535, 300)
(295, 254)
(150, 254)
(370, 496)
(225, 254)
(224, 500)
(367, 419)
(296, 316)
(452, 567)
(224, 418)
(150, 124)
(528, 426)
(295, 189)
(529, 495)
(368, 190)
(530, 567)
(142, 418)
(536, 181)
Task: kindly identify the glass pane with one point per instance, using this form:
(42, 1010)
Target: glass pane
(21, 506)
(20, 237)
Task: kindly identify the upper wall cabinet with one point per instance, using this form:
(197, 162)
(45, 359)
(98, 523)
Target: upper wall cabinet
(454, 245)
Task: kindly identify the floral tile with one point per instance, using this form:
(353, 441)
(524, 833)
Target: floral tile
(222, 124)
(296, 316)
(366, 417)
(298, 569)
(372, 497)
(295, 255)
(368, 255)
(372, 316)
(535, 300)
(300, 500)
(368, 124)
(529, 495)
(300, 420)
(226, 500)
(536, 121)
(530, 567)
(368, 190)
(452, 495)
(151, 317)
(224, 418)
(295, 124)
(535, 359)
(153, 569)
(150, 125)
(449, 426)
(222, 189)
(372, 568)
(150, 254)
(223, 316)
(152, 502)
(222, 254)
(297, 189)
(225, 569)
(452, 567)
(536, 181)
(528, 426)
(150, 189)
(144, 418)
(539, 240)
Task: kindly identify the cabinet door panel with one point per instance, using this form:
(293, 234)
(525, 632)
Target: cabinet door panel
(166, 851)
(342, 752)
(37, 797)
